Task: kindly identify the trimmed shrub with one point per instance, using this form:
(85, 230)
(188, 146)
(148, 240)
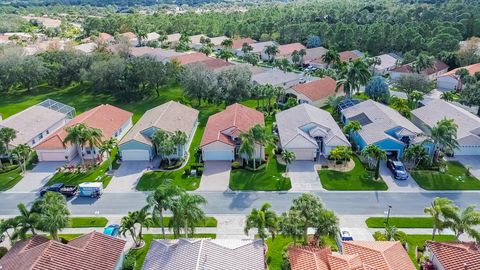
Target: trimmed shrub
(3, 251)
(236, 165)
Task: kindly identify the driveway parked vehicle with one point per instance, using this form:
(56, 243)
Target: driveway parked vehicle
(398, 169)
(68, 191)
(111, 230)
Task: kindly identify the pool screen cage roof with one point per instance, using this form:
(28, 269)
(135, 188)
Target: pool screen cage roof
(59, 107)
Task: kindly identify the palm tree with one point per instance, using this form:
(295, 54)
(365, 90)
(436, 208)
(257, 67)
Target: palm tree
(423, 62)
(162, 38)
(179, 138)
(207, 50)
(94, 138)
(54, 214)
(436, 210)
(264, 220)
(5, 225)
(3, 151)
(461, 222)
(416, 153)
(271, 51)
(26, 221)
(352, 127)
(374, 152)
(76, 136)
(246, 48)
(444, 136)
(7, 135)
(295, 57)
(392, 233)
(140, 218)
(462, 74)
(21, 153)
(225, 54)
(302, 53)
(352, 75)
(187, 212)
(326, 224)
(288, 157)
(309, 208)
(331, 56)
(261, 137)
(107, 147)
(163, 199)
(414, 97)
(288, 225)
(247, 146)
(227, 43)
(401, 106)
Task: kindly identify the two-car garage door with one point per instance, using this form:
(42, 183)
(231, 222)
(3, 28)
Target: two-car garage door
(464, 150)
(135, 155)
(217, 155)
(303, 154)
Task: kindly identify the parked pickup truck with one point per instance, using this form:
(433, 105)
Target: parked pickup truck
(68, 191)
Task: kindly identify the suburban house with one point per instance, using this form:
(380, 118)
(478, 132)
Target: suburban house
(388, 61)
(35, 123)
(313, 54)
(382, 126)
(238, 43)
(173, 39)
(112, 121)
(455, 255)
(357, 255)
(344, 57)
(199, 254)
(468, 132)
(309, 132)
(105, 37)
(189, 58)
(217, 41)
(284, 51)
(451, 82)
(171, 116)
(277, 77)
(156, 53)
(86, 47)
(220, 138)
(89, 251)
(153, 36)
(315, 92)
(195, 41)
(257, 48)
(439, 68)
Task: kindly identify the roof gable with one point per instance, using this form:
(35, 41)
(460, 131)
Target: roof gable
(317, 89)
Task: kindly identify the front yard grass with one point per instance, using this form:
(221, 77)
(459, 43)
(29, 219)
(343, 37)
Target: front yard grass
(359, 178)
(10, 179)
(455, 178)
(400, 222)
(87, 222)
(96, 174)
(209, 222)
(418, 240)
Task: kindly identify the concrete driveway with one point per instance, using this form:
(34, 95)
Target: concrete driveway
(126, 177)
(472, 162)
(35, 179)
(397, 185)
(304, 177)
(216, 176)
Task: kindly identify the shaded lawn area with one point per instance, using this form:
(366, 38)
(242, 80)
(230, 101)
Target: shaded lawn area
(209, 222)
(359, 178)
(96, 174)
(280, 243)
(140, 254)
(418, 240)
(87, 222)
(400, 222)
(269, 178)
(11, 178)
(455, 178)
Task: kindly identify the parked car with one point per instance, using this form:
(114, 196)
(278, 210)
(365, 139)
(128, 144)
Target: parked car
(111, 230)
(397, 169)
(68, 191)
(345, 235)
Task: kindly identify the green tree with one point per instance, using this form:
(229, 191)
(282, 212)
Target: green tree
(376, 153)
(423, 62)
(352, 75)
(437, 210)
(227, 43)
(93, 137)
(141, 218)
(295, 57)
(187, 212)
(21, 153)
(449, 96)
(289, 226)
(352, 127)
(76, 135)
(179, 139)
(444, 136)
(264, 220)
(246, 48)
(401, 105)
(416, 153)
(225, 54)
(247, 146)
(271, 51)
(288, 157)
(461, 222)
(54, 214)
(251, 58)
(7, 135)
(107, 147)
(470, 96)
(415, 97)
(163, 199)
(342, 153)
(198, 82)
(26, 221)
(331, 56)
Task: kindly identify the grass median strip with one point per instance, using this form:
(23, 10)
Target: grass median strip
(87, 222)
(209, 222)
(400, 222)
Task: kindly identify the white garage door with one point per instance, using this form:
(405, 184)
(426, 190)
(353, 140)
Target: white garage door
(217, 155)
(51, 156)
(135, 155)
(468, 151)
(302, 154)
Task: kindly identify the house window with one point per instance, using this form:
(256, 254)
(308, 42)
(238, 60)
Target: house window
(40, 136)
(48, 132)
(33, 141)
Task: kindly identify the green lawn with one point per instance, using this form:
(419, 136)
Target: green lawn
(455, 178)
(10, 179)
(400, 222)
(208, 222)
(96, 174)
(357, 179)
(87, 222)
(141, 253)
(418, 240)
(269, 178)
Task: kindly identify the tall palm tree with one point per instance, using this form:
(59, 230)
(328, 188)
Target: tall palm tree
(352, 75)
(331, 56)
(444, 136)
(187, 212)
(309, 207)
(416, 153)
(132, 220)
(225, 54)
(461, 222)
(76, 136)
(107, 147)
(246, 48)
(374, 152)
(288, 225)
(436, 210)
(7, 135)
(261, 137)
(423, 62)
(227, 43)
(179, 138)
(54, 214)
(93, 136)
(302, 53)
(21, 153)
(415, 97)
(352, 127)
(295, 57)
(288, 157)
(247, 146)
(271, 51)
(26, 221)
(326, 224)
(163, 199)
(3, 151)
(264, 220)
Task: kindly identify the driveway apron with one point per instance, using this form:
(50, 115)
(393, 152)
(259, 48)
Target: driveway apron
(216, 176)
(126, 177)
(304, 177)
(35, 179)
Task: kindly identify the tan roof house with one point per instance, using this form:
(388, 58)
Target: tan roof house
(451, 81)
(170, 117)
(455, 255)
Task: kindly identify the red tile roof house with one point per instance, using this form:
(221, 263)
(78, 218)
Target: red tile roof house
(238, 42)
(105, 37)
(344, 57)
(439, 68)
(209, 62)
(315, 92)
(112, 121)
(220, 138)
(357, 255)
(454, 256)
(89, 251)
(450, 81)
(284, 51)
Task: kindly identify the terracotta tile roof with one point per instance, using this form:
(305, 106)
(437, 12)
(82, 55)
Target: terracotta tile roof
(216, 64)
(104, 37)
(88, 252)
(129, 35)
(317, 89)
(472, 69)
(190, 58)
(309, 258)
(235, 116)
(381, 255)
(347, 262)
(408, 68)
(455, 255)
(238, 42)
(105, 117)
(287, 49)
(344, 56)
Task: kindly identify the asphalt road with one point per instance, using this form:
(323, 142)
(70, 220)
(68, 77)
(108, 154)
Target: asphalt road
(343, 203)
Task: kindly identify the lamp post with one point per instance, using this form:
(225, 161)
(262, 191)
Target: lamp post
(388, 214)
